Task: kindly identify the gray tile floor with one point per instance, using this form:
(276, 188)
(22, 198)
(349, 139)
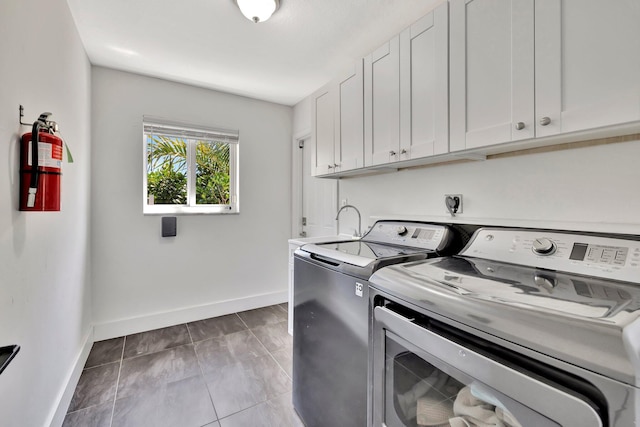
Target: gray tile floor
(228, 371)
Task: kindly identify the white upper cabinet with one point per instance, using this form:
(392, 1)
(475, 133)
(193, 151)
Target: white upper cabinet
(492, 74)
(322, 110)
(349, 117)
(382, 104)
(337, 123)
(587, 64)
(424, 86)
(522, 68)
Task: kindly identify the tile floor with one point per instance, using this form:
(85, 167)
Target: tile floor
(228, 371)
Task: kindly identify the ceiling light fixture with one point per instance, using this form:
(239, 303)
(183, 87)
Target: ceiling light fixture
(258, 10)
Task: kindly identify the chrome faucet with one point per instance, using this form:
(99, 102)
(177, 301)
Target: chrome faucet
(359, 218)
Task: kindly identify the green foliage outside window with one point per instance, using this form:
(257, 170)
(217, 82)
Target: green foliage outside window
(167, 171)
(212, 173)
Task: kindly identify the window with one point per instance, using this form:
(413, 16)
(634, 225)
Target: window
(189, 169)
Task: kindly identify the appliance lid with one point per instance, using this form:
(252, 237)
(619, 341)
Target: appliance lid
(358, 252)
(385, 240)
(590, 322)
(567, 295)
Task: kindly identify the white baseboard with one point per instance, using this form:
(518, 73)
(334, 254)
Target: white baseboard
(118, 328)
(66, 394)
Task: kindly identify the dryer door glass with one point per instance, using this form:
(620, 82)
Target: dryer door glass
(419, 393)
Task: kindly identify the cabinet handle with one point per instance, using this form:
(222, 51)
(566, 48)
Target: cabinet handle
(545, 121)
(403, 151)
(393, 153)
(519, 125)
(336, 165)
(329, 166)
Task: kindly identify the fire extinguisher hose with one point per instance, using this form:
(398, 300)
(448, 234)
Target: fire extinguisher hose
(33, 187)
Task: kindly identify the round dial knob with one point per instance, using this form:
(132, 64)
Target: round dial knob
(402, 230)
(543, 246)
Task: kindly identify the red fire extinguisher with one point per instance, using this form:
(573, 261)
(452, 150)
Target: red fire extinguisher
(41, 167)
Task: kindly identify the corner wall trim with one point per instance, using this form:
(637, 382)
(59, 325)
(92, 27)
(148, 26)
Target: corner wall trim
(59, 410)
(118, 328)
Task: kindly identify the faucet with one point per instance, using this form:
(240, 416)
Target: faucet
(359, 217)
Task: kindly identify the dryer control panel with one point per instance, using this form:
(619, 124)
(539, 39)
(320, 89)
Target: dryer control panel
(606, 257)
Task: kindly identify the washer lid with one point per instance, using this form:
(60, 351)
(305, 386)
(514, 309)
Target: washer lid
(574, 318)
(358, 252)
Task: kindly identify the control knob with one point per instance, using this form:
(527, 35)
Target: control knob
(544, 281)
(543, 246)
(402, 230)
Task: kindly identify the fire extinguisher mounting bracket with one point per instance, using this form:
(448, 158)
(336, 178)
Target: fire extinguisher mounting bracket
(21, 113)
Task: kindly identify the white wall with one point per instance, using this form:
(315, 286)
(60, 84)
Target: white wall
(45, 296)
(594, 188)
(141, 280)
(302, 118)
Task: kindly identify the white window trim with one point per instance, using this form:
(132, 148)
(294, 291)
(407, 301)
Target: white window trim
(192, 131)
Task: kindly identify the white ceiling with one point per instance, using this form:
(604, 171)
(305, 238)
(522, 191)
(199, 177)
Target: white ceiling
(209, 43)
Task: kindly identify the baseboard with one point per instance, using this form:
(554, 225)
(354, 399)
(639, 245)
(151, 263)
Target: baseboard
(118, 328)
(66, 394)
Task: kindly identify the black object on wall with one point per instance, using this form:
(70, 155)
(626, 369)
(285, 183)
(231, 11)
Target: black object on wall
(169, 226)
(7, 354)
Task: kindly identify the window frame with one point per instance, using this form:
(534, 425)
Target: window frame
(190, 133)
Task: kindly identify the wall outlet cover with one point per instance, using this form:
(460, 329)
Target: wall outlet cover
(449, 203)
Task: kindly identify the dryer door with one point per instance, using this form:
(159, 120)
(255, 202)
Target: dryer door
(421, 378)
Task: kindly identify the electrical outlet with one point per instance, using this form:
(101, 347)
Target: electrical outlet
(454, 201)
(344, 202)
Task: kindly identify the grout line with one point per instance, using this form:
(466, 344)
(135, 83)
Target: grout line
(272, 357)
(243, 322)
(205, 382)
(115, 395)
(272, 399)
(99, 366)
(189, 332)
(85, 408)
(245, 409)
(164, 349)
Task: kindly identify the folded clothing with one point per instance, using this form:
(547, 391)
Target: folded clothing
(471, 411)
(408, 401)
(434, 411)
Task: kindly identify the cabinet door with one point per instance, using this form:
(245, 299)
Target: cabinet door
(382, 104)
(322, 128)
(349, 120)
(492, 75)
(424, 83)
(587, 64)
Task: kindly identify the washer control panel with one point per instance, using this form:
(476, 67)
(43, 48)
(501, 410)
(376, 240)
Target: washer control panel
(414, 234)
(606, 257)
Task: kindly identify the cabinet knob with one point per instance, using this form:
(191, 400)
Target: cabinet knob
(393, 153)
(403, 151)
(545, 121)
(329, 166)
(336, 165)
(519, 125)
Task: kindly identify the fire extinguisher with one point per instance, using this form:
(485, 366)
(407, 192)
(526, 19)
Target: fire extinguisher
(41, 166)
